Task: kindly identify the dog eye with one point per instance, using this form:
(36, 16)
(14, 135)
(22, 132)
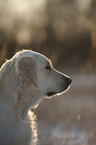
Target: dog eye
(48, 67)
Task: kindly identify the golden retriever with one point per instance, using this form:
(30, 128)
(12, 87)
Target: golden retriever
(25, 79)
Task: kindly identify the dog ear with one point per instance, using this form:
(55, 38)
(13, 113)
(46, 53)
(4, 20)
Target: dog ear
(27, 69)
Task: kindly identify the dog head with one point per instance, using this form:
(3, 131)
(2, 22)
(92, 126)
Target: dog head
(37, 69)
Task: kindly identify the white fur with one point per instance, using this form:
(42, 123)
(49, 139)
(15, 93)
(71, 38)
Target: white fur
(24, 81)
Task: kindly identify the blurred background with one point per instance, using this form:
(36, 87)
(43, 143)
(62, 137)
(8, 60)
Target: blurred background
(64, 31)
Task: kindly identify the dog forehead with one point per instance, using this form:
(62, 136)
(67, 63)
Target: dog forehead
(41, 59)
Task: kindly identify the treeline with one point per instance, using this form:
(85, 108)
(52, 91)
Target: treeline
(63, 30)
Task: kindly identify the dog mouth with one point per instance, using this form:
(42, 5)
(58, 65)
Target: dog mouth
(64, 89)
(51, 93)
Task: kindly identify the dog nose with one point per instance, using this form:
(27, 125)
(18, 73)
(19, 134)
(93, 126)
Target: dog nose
(68, 81)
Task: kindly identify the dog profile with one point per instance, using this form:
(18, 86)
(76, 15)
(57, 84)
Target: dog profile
(25, 79)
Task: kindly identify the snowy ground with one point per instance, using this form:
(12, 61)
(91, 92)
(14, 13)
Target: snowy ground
(71, 118)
